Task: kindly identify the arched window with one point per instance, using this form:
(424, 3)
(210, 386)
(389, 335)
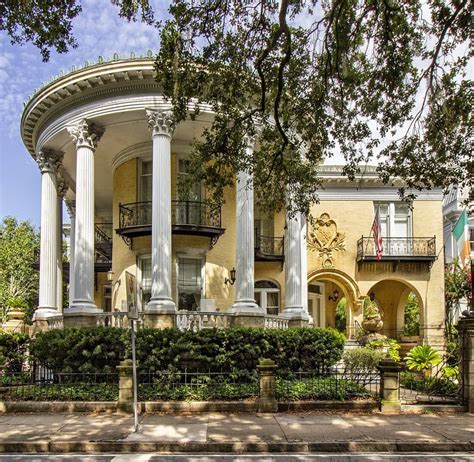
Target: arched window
(267, 296)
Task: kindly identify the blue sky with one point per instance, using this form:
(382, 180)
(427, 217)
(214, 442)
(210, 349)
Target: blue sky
(99, 31)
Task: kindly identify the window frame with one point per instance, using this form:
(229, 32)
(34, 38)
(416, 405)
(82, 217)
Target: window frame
(263, 291)
(191, 289)
(391, 218)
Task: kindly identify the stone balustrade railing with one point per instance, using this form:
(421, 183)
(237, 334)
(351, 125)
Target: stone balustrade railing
(197, 320)
(185, 320)
(275, 322)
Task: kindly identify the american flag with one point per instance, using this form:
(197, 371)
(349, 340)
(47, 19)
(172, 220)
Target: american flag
(377, 230)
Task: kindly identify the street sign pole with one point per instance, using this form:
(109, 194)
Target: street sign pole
(134, 371)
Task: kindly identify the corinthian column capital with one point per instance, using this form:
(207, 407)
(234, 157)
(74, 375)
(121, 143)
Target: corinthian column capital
(62, 187)
(49, 160)
(85, 134)
(160, 122)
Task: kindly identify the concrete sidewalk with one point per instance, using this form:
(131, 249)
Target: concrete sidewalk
(214, 432)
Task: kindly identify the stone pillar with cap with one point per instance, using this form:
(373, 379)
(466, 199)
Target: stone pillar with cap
(48, 162)
(246, 311)
(83, 309)
(160, 311)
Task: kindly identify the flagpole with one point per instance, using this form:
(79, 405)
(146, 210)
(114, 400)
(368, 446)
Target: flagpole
(371, 230)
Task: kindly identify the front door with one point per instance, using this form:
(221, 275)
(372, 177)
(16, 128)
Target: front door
(316, 304)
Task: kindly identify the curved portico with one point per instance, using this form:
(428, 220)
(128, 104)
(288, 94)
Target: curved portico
(109, 121)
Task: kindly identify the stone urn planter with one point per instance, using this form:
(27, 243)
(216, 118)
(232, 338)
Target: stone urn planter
(372, 325)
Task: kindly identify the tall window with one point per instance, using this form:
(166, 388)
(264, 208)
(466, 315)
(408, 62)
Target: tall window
(267, 296)
(189, 210)
(145, 283)
(145, 190)
(189, 283)
(395, 219)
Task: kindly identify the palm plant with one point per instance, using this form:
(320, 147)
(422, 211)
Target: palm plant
(423, 358)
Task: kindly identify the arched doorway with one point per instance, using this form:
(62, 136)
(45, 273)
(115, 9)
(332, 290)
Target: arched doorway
(402, 308)
(334, 300)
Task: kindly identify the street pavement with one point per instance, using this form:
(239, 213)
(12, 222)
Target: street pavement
(297, 433)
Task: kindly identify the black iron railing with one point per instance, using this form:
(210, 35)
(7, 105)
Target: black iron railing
(403, 248)
(269, 246)
(183, 213)
(103, 233)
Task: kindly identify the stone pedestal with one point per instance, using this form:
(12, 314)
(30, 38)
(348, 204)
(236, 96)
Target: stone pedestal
(160, 320)
(248, 320)
(390, 386)
(78, 319)
(15, 321)
(125, 400)
(466, 338)
(267, 401)
(298, 322)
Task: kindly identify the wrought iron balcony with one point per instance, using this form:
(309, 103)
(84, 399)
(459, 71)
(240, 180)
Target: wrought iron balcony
(187, 217)
(269, 248)
(398, 249)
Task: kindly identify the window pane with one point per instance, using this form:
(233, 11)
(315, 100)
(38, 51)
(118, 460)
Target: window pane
(272, 299)
(146, 274)
(265, 284)
(258, 299)
(189, 272)
(314, 288)
(188, 301)
(146, 168)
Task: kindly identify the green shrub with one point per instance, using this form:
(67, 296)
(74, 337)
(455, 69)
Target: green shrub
(73, 392)
(13, 351)
(389, 344)
(361, 359)
(235, 350)
(437, 386)
(328, 388)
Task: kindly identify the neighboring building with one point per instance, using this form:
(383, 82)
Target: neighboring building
(89, 131)
(453, 206)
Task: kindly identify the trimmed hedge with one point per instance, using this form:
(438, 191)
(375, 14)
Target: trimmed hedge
(237, 350)
(13, 351)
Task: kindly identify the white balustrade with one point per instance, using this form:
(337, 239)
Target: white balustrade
(197, 320)
(275, 322)
(55, 322)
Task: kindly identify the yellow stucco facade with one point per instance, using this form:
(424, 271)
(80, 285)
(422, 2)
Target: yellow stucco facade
(391, 282)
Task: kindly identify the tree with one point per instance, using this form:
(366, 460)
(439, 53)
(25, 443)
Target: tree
(19, 245)
(367, 78)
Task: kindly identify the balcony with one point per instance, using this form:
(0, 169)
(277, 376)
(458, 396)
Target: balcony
(187, 218)
(269, 248)
(398, 249)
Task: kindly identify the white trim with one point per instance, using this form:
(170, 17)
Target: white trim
(380, 194)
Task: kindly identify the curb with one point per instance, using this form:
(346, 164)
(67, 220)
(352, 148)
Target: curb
(64, 447)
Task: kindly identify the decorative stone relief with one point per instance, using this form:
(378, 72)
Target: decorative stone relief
(326, 239)
(71, 208)
(160, 122)
(85, 134)
(62, 187)
(49, 160)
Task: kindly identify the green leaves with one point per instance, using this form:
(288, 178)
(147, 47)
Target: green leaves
(422, 358)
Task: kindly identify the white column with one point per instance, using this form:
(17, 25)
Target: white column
(294, 306)
(71, 207)
(62, 189)
(304, 262)
(85, 136)
(244, 274)
(161, 124)
(48, 162)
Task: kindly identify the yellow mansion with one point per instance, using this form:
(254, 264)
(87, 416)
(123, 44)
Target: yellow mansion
(105, 142)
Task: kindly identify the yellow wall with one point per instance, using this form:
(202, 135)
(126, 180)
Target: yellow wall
(354, 218)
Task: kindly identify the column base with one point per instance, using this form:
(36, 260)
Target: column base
(160, 306)
(82, 307)
(160, 320)
(246, 307)
(42, 313)
(297, 317)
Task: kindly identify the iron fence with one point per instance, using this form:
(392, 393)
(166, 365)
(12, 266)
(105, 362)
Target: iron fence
(42, 384)
(186, 384)
(334, 383)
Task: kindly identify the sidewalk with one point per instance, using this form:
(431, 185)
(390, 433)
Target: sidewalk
(214, 432)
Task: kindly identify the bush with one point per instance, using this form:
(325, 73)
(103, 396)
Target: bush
(235, 350)
(13, 351)
(328, 388)
(361, 360)
(390, 345)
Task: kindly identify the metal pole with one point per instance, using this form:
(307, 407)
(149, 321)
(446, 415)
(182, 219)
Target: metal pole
(134, 371)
